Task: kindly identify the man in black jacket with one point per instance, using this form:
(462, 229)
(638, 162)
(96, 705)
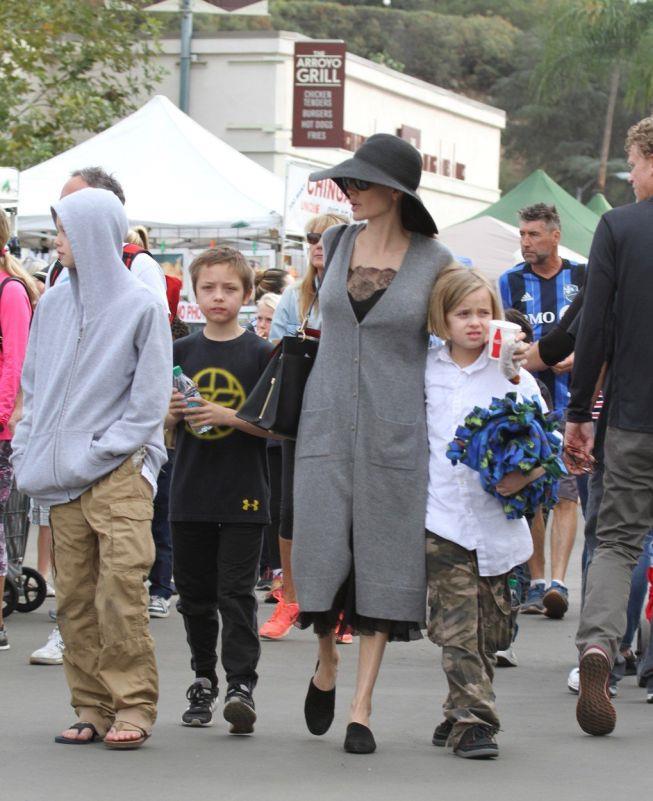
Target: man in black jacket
(619, 293)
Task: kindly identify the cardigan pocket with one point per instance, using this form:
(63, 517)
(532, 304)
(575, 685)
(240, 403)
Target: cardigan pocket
(394, 444)
(315, 436)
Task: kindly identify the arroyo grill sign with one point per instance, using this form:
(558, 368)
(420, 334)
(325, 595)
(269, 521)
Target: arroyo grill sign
(319, 94)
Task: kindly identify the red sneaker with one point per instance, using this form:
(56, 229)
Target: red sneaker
(281, 621)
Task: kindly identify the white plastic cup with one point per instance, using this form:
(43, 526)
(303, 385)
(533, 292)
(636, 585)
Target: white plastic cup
(501, 333)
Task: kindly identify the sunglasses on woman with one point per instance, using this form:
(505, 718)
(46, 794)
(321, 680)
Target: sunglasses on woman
(313, 239)
(355, 183)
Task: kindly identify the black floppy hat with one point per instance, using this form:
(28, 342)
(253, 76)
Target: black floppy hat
(389, 161)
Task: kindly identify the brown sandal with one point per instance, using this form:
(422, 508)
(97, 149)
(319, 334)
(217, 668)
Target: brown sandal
(126, 745)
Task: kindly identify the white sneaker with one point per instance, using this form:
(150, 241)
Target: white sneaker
(52, 651)
(159, 607)
(573, 680)
(507, 658)
(49, 590)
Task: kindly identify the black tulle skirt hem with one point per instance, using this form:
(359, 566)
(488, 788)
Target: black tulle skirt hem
(339, 621)
(343, 618)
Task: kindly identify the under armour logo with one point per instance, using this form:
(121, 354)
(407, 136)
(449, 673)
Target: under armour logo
(250, 506)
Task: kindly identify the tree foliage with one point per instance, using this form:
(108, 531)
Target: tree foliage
(606, 43)
(466, 54)
(561, 136)
(521, 13)
(67, 67)
(587, 39)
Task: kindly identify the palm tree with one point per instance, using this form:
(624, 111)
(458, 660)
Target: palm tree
(608, 40)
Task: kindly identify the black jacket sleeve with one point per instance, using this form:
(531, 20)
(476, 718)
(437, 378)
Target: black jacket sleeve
(559, 343)
(592, 344)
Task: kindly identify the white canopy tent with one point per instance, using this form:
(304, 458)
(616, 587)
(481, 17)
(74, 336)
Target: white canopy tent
(179, 179)
(489, 245)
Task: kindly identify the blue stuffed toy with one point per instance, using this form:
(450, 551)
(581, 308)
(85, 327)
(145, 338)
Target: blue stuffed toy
(509, 436)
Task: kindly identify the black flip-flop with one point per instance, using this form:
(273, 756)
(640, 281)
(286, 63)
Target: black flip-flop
(79, 727)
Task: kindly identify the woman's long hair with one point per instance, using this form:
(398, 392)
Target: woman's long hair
(307, 288)
(11, 265)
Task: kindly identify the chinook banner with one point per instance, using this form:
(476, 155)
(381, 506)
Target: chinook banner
(307, 199)
(319, 94)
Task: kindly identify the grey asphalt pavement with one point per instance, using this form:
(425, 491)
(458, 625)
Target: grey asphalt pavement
(544, 754)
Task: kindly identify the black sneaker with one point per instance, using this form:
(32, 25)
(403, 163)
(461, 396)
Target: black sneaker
(441, 733)
(4, 640)
(265, 581)
(202, 696)
(239, 709)
(477, 742)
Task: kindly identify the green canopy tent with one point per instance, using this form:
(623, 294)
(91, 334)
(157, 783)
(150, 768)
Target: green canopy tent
(578, 222)
(599, 204)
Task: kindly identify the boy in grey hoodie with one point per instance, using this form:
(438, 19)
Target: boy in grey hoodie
(90, 445)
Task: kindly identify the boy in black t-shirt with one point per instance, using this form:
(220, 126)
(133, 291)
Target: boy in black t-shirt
(219, 495)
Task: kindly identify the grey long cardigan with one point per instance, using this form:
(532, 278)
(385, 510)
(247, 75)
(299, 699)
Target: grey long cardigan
(362, 452)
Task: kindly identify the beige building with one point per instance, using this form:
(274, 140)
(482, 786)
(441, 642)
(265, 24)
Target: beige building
(241, 89)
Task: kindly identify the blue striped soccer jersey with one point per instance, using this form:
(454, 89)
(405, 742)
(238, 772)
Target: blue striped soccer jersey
(544, 301)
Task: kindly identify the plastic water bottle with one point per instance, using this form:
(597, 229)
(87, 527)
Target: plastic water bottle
(189, 390)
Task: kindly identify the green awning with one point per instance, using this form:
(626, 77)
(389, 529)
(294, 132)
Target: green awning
(599, 204)
(578, 222)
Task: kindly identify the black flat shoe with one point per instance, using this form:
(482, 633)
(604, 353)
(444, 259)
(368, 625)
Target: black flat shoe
(359, 739)
(319, 709)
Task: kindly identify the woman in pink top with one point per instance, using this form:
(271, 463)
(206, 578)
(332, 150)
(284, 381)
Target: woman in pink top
(18, 294)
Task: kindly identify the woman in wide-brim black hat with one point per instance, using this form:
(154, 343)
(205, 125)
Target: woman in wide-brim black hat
(361, 464)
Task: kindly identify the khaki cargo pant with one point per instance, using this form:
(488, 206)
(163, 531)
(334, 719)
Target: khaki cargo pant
(470, 618)
(103, 551)
(625, 516)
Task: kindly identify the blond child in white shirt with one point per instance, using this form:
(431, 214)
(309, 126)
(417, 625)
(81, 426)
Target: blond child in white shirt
(471, 546)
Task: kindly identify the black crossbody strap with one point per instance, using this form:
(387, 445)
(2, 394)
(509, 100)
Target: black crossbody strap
(327, 262)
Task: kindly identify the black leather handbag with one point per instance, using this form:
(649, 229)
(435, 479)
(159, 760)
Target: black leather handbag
(275, 403)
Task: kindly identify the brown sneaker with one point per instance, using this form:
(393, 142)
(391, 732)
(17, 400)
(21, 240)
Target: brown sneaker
(556, 601)
(594, 712)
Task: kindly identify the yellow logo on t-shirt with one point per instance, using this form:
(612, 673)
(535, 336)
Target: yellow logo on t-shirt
(250, 506)
(218, 386)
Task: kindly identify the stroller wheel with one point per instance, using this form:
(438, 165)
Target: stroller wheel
(10, 598)
(33, 590)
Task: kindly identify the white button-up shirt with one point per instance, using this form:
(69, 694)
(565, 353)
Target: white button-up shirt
(458, 508)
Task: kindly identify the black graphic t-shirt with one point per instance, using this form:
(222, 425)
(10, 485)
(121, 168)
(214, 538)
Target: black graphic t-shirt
(221, 476)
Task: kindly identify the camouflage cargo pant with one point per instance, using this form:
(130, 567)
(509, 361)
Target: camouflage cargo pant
(470, 617)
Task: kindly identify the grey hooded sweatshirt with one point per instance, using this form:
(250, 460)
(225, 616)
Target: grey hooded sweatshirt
(97, 374)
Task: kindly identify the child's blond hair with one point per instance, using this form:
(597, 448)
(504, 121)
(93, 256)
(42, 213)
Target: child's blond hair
(451, 287)
(270, 299)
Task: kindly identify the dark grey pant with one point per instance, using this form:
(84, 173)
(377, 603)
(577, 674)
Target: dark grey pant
(625, 516)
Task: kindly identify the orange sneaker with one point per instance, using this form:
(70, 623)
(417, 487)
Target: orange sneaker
(343, 633)
(281, 621)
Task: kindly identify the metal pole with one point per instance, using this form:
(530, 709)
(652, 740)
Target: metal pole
(184, 61)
